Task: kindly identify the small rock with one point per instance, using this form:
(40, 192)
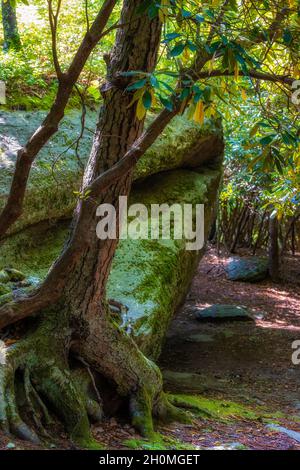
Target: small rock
(289, 432)
(248, 269)
(223, 312)
(231, 446)
(113, 422)
(10, 445)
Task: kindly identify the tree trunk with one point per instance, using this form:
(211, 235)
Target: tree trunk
(80, 320)
(273, 247)
(10, 26)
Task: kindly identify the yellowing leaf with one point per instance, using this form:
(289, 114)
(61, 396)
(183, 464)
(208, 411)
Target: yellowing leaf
(211, 111)
(199, 113)
(163, 11)
(186, 54)
(223, 85)
(154, 100)
(244, 94)
(236, 71)
(136, 96)
(140, 110)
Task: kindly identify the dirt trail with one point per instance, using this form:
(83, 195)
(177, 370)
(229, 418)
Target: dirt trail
(247, 362)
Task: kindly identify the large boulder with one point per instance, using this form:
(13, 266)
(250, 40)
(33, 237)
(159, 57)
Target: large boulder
(149, 277)
(56, 174)
(247, 269)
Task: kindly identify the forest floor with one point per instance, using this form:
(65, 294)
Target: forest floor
(245, 370)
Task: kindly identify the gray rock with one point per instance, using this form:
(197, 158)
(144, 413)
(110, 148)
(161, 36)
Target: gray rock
(223, 312)
(289, 432)
(10, 445)
(230, 446)
(250, 269)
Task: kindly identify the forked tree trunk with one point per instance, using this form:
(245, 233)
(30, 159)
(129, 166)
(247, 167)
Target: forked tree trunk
(80, 320)
(10, 26)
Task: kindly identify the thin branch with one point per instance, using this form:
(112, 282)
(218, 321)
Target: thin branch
(27, 154)
(53, 20)
(285, 79)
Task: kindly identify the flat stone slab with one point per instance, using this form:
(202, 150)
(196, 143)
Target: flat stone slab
(200, 338)
(223, 312)
(248, 269)
(187, 382)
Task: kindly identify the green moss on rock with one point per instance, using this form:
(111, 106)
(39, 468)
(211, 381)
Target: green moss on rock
(146, 273)
(213, 408)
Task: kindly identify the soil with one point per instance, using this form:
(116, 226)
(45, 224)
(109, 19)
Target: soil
(245, 362)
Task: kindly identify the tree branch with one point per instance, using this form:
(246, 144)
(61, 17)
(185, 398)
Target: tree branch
(27, 154)
(285, 79)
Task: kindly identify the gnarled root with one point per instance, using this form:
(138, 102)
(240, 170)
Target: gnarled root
(34, 374)
(113, 353)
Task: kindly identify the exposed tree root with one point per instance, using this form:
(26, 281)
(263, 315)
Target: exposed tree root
(115, 355)
(35, 375)
(36, 381)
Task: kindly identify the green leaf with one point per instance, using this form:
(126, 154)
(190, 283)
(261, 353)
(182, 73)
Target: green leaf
(154, 82)
(177, 50)
(186, 13)
(137, 85)
(166, 103)
(287, 36)
(170, 37)
(267, 139)
(147, 99)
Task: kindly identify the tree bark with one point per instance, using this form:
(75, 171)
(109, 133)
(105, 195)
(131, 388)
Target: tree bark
(79, 319)
(273, 247)
(10, 26)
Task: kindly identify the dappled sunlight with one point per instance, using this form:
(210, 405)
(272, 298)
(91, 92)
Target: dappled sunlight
(28, 15)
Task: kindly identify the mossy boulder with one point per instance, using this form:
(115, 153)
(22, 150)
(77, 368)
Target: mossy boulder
(149, 277)
(57, 172)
